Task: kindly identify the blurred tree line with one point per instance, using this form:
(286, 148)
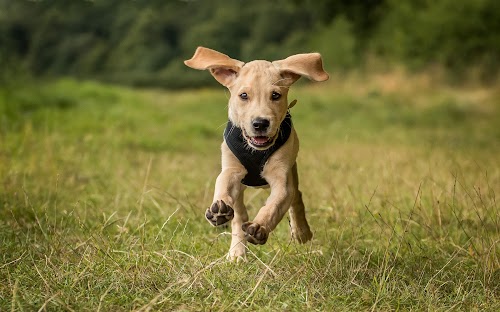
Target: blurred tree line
(144, 42)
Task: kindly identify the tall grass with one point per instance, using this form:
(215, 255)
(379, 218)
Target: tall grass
(103, 191)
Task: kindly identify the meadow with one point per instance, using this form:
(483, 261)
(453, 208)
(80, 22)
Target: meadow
(103, 191)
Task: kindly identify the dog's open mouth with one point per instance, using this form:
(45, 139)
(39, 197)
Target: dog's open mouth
(259, 142)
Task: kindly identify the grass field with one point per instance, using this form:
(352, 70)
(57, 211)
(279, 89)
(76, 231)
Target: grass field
(103, 191)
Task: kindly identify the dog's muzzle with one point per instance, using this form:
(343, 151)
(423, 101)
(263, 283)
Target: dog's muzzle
(259, 137)
(260, 141)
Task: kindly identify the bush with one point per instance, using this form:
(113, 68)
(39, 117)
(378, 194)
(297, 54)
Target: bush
(138, 42)
(337, 44)
(456, 34)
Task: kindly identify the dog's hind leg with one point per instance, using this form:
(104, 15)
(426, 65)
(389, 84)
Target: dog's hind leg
(298, 223)
(237, 251)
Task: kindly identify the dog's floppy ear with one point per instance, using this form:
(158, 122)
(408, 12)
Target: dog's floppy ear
(221, 66)
(308, 65)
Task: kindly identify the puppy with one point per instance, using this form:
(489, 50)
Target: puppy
(260, 144)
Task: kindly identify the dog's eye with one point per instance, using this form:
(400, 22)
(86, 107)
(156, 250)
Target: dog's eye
(244, 96)
(275, 96)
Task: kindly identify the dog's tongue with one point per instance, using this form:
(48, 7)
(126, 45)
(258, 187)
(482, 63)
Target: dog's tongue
(260, 139)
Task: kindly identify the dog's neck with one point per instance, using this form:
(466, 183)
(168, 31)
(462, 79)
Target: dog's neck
(254, 160)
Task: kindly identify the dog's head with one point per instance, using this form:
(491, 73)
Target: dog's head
(259, 89)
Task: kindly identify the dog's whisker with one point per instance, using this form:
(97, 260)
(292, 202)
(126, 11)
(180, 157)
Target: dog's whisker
(227, 94)
(223, 125)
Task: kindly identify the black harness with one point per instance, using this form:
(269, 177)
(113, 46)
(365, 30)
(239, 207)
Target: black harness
(254, 160)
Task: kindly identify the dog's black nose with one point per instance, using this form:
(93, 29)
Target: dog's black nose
(260, 124)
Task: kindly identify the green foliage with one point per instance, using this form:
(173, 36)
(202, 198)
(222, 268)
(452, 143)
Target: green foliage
(143, 42)
(455, 34)
(338, 42)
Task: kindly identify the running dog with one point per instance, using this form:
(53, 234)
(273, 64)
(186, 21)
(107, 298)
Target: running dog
(260, 144)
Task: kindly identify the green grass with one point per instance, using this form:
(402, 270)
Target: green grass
(103, 191)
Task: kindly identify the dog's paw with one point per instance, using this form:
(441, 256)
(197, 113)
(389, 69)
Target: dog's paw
(302, 236)
(219, 213)
(237, 256)
(255, 233)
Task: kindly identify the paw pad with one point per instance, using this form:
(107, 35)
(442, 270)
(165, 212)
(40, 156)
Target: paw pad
(219, 213)
(255, 233)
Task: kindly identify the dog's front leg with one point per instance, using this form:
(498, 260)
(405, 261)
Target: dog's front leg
(228, 202)
(268, 217)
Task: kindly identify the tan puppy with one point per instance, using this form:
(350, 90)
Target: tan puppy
(260, 144)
